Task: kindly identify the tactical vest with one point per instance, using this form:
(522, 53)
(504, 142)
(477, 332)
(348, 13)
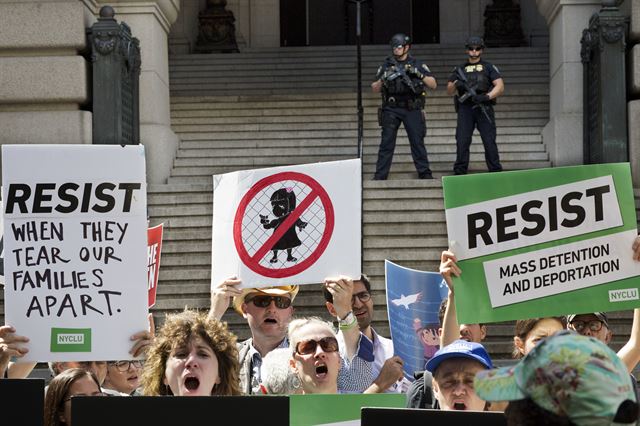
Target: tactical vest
(477, 76)
(398, 87)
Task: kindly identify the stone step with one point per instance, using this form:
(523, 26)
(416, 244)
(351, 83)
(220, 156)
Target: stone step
(434, 105)
(222, 145)
(438, 162)
(326, 120)
(186, 156)
(196, 165)
(432, 130)
(294, 103)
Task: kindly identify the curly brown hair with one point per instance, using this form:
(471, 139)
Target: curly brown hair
(178, 330)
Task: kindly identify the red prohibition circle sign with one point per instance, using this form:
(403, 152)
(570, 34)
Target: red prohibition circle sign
(317, 191)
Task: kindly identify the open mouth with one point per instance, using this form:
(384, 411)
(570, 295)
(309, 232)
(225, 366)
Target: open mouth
(270, 321)
(191, 383)
(459, 406)
(321, 369)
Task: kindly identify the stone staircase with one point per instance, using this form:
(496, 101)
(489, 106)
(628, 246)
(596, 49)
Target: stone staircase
(272, 107)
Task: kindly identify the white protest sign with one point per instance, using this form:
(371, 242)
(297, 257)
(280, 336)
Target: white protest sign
(76, 242)
(287, 225)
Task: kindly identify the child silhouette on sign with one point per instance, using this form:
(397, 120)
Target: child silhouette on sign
(429, 337)
(283, 203)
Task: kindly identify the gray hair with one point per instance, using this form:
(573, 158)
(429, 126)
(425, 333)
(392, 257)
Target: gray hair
(277, 376)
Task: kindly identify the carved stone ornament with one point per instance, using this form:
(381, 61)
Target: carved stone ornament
(105, 41)
(612, 33)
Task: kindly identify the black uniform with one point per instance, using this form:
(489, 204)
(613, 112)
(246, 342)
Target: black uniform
(479, 76)
(403, 95)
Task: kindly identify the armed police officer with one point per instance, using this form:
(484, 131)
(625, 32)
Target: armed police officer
(403, 81)
(476, 84)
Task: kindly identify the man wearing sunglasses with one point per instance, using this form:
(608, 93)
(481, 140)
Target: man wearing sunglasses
(476, 84)
(403, 82)
(268, 312)
(387, 373)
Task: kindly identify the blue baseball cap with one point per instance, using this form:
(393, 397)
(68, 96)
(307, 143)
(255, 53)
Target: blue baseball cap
(460, 349)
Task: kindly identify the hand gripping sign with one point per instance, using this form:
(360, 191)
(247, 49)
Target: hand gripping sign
(287, 225)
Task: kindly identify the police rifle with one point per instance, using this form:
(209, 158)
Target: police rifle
(470, 91)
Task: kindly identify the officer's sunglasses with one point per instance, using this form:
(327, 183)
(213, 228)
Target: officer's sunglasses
(328, 344)
(474, 48)
(282, 302)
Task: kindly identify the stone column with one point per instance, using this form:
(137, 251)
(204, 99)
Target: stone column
(566, 20)
(43, 77)
(150, 21)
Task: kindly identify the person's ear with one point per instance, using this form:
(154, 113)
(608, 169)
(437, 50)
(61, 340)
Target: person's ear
(439, 331)
(519, 344)
(483, 332)
(435, 388)
(608, 337)
(293, 365)
(331, 309)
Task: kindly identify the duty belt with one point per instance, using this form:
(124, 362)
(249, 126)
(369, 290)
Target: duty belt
(405, 103)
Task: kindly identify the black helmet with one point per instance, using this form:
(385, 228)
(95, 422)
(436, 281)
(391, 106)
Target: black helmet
(399, 40)
(474, 41)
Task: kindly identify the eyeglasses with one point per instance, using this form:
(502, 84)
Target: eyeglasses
(594, 325)
(84, 394)
(328, 344)
(86, 365)
(364, 296)
(474, 48)
(123, 366)
(282, 302)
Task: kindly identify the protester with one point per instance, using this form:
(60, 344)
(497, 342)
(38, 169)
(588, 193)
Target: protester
(451, 330)
(453, 368)
(192, 355)
(69, 383)
(387, 371)
(268, 312)
(13, 345)
(529, 332)
(567, 379)
(277, 376)
(123, 376)
(315, 356)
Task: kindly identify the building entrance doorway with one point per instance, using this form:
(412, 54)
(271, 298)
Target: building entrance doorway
(333, 22)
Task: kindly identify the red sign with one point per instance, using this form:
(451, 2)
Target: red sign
(288, 212)
(154, 245)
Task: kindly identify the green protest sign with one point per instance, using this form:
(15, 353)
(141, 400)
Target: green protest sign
(543, 242)
(320, 409)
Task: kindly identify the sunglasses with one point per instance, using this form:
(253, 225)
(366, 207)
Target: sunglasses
(328, 344)
(282, 302)
(593, 325)
(474, 48)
